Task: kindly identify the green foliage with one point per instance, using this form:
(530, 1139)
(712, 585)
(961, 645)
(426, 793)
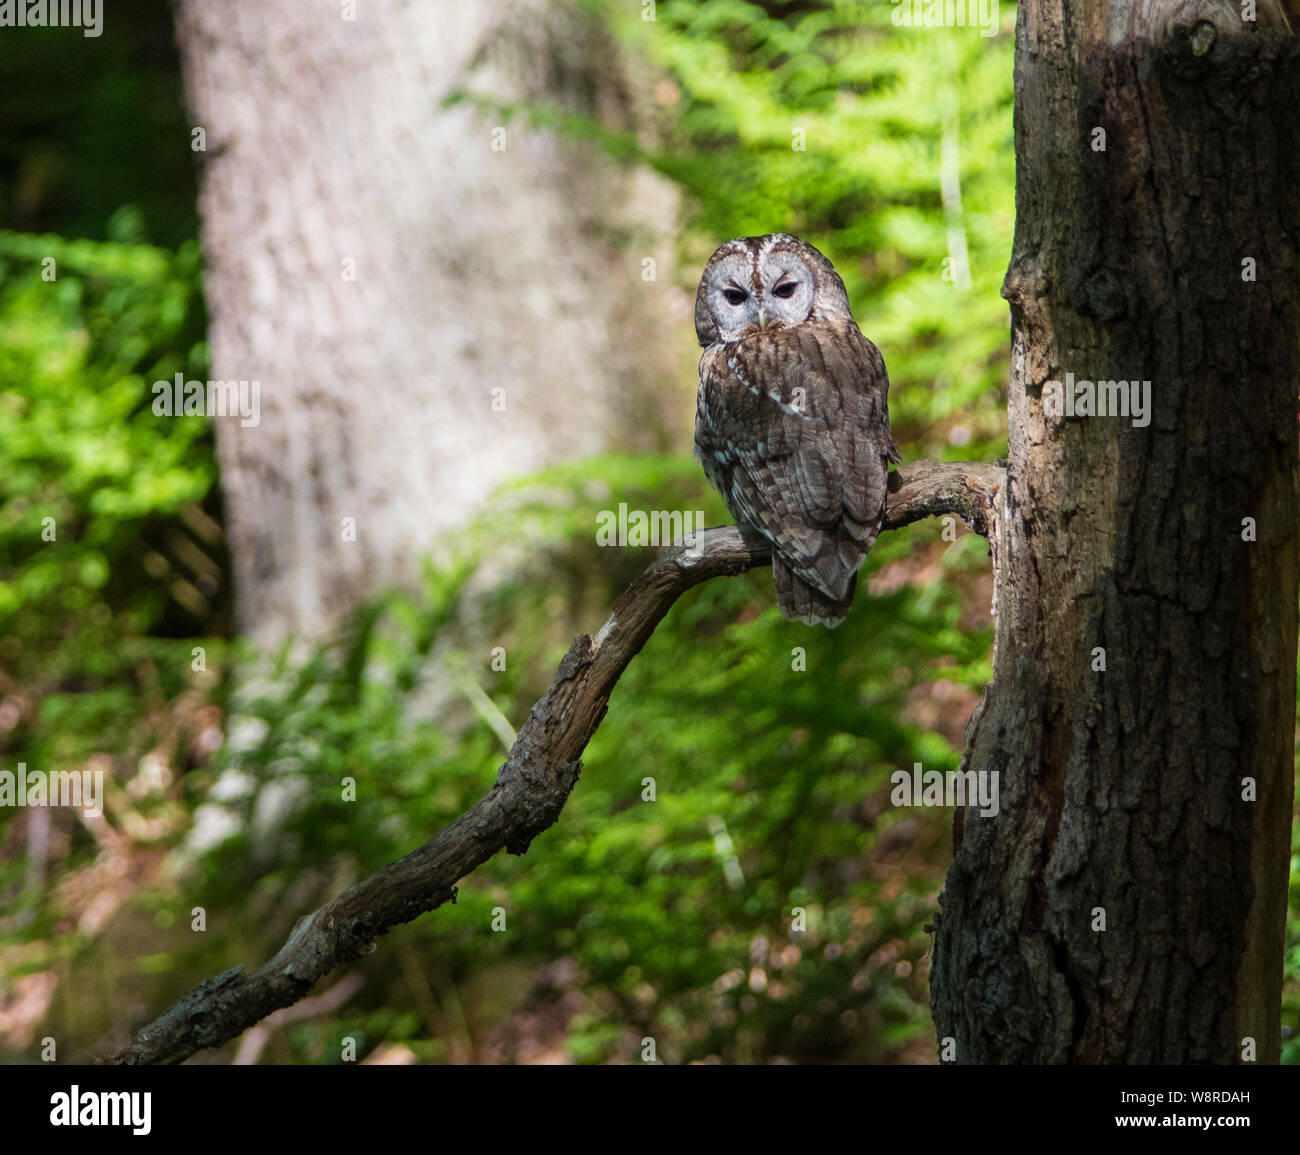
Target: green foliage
(890, 149)
(93, 481)
(99, 498)
(826, 121)
(769, 784)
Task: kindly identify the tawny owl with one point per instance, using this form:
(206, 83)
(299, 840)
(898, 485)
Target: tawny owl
(792, 423)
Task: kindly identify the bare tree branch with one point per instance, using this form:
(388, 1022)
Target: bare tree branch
(255, 1039)
(533, 784)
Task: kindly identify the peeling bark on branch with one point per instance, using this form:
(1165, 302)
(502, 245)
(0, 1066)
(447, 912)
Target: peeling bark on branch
(533, 784)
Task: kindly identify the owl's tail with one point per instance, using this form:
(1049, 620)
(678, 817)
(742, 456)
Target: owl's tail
(800, 602)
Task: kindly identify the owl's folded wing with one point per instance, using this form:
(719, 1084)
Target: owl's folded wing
(793, 430)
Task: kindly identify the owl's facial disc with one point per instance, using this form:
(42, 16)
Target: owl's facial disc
(731, 296)
(774, 281)
(786, 292)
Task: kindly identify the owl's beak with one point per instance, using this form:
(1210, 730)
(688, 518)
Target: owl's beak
(762, 317)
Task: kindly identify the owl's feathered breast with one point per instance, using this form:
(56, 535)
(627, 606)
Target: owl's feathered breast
(792, 428)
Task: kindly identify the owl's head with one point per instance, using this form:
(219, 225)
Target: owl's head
(772, 281)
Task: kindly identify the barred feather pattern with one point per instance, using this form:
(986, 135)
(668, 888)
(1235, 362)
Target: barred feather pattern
(792, 428)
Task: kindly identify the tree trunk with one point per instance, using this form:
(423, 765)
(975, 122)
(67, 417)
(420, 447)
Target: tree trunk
(1126, 904)
(432, 297)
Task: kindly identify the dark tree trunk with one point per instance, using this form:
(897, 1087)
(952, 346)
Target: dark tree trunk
(1126, 792)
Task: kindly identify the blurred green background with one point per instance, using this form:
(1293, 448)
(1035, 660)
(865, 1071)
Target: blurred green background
(626, 919)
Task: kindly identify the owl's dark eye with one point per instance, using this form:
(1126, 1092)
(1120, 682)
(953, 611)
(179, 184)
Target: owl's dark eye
(734, 296)
(784, 290)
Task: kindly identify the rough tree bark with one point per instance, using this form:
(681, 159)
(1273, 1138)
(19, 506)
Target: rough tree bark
(1168, 257)
(533, 785)
(383, 262)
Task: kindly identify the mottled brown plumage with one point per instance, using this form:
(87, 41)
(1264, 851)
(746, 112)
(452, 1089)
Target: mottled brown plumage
(792, 424)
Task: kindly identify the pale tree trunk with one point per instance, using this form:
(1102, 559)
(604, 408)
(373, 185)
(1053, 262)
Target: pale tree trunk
(491, 269)
(1154, 794)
